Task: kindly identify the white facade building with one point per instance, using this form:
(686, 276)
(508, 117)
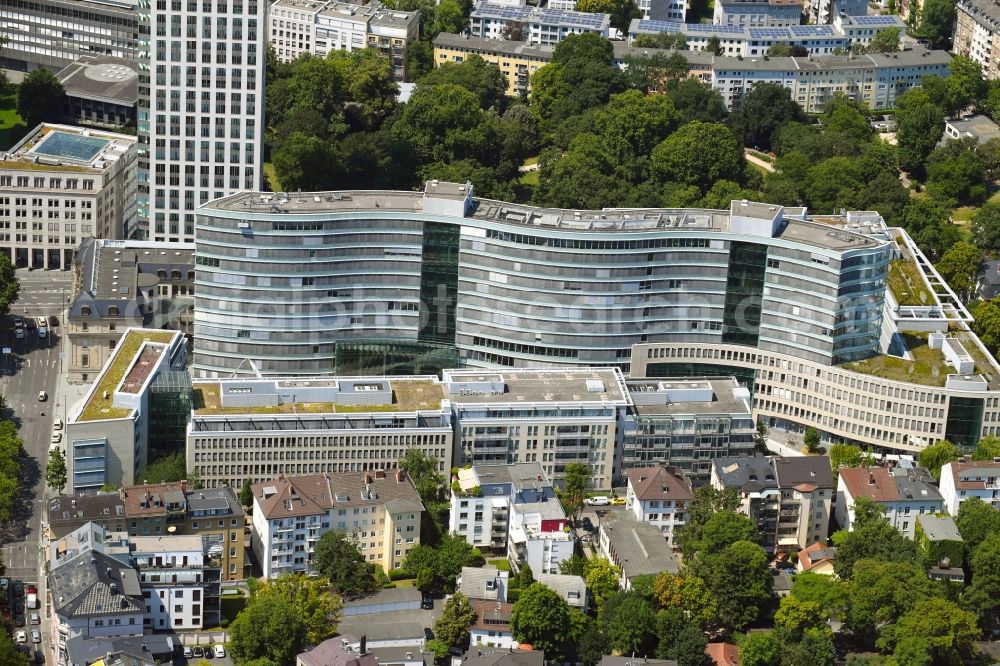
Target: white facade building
(541, 26)
(658, 497)
(379, 511)
(480, 508)
(60, 185)
(201, 108)
(962, 480)
(321, 26)
(977, 34)
(180, 583)
(758, 12)
(903, 493)
(539, 536)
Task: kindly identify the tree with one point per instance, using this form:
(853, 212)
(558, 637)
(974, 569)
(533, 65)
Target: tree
(983, 596)
(885, 41)
(632, 124)
(959, 266)
(689, 595)
(474, 74)
(817, 644)
(759, 648)
(10, 287)
(55, 471)
(763, 110)
(987, 448)
(739, 580)
(457, 616)
(698, 154)
(542, 618)
(986, 322)
(937, 22)
(632, 627)
(760, 438)
(874, 539)
(168, 469)
(687, 647)
(955, 172)
(246, 493)
(40, 97)
(422, 469)
(919, 125)
(661, 40)
(601, 578)
(976, 520)
(826, 591)
(306, 162)
(949, 630)
(338, 559)
(881, 592)
(933, 457)
(795, 616)
(985, 227)
(622, 11)
(714, 46)
(811, 440)
(573, 565)
(707, 501)
(844, 455)
(448, 17)
(446, 561)
(721, 530)
(9, 654)
(314, 602)
(965, 83)
(576, 483)
(268, 627)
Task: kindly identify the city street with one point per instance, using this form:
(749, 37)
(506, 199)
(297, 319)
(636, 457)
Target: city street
(32, 366)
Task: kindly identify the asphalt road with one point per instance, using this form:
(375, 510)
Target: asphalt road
(32, 366)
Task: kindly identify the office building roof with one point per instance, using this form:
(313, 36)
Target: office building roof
(599, 385)
(516, 474)
(65, 148)
(689, 397)
(938, 528)
(314, 495)
(659, 483)
(102, 79)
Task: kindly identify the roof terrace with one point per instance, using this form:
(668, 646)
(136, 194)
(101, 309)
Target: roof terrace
(100, 402)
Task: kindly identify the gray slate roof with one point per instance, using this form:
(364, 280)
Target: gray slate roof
(480, 657)
(939, 528)
(474, 580)
(81, 587)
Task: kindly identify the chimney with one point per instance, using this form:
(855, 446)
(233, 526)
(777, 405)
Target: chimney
(871, 478)
(368, 478)
(184, 485)
(364, 644)
(380, 474)
(114, 588)
(108, 572)
(400, 475)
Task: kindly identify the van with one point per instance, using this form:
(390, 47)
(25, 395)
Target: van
(598, 500)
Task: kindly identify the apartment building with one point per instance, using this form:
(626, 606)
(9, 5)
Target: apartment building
(685, 423)
(110, 430)
(68, 513)
(961, 480)
(259, 428)
(60, 185)
(93, 590)
(201, 108)
(635, 547)
(516, 60)
(903, 493)
(826, 11)
(539, 534)
(179, 579)
(659, 496)
(54, 33)
(214, 515)
(556, 417)
(480, 503)
(789, 498)
(977, 26)
(318, 27)
(122, 284)
(758, 12)
(539, 25)
(379, 511)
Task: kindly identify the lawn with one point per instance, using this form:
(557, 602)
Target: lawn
(501, 564)
(99, 407)
(529, 178)
(926, 367)
(12, 127)
(907, 284)
(271, 174)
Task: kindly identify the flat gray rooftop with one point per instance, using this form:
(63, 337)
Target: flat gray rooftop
(640, 547)
(981, 127)
(526, 386)
(723, 401)
(102, 78)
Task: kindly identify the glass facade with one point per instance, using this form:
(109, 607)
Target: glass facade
(169, 411)
(744, 376)
(393, 357)
(965, 422)
(439, 282)
(744, 291)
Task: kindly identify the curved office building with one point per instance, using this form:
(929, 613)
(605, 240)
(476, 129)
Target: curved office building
(407, 282)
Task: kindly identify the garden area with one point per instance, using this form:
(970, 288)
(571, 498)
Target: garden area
(12, 127)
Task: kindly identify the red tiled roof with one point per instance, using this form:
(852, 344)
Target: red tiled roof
(968, 471)
(875, 483)
(656, 483)
(723, 654)
(491, 615)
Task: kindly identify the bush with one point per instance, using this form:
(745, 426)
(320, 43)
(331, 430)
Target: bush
(400, 574)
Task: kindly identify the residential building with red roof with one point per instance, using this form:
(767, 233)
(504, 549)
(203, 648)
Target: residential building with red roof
(903, 492)
(659, 496)
(962, 480)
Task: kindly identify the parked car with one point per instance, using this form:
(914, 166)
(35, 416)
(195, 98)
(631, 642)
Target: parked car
(30, 324)
(39, 657)
(187, 652)
(56, 437)
(618, 501)
(198, 652)
(43, 396)
(428, 634)
(18, 322)
(18, 620)
(36, 636)
(426, 601)
(53, 321)
(18, 589)
(598, 500)
(19, 333)
(220, 651)
(34, 618)
(57, 424)
(20, 637)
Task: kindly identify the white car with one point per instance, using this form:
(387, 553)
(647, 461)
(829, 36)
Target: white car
(21, 637)
(57, 424)
(188, 653)
(598, 500)
(56, 437)
(220, 651)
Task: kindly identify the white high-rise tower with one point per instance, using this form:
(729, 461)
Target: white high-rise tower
(201, 115)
